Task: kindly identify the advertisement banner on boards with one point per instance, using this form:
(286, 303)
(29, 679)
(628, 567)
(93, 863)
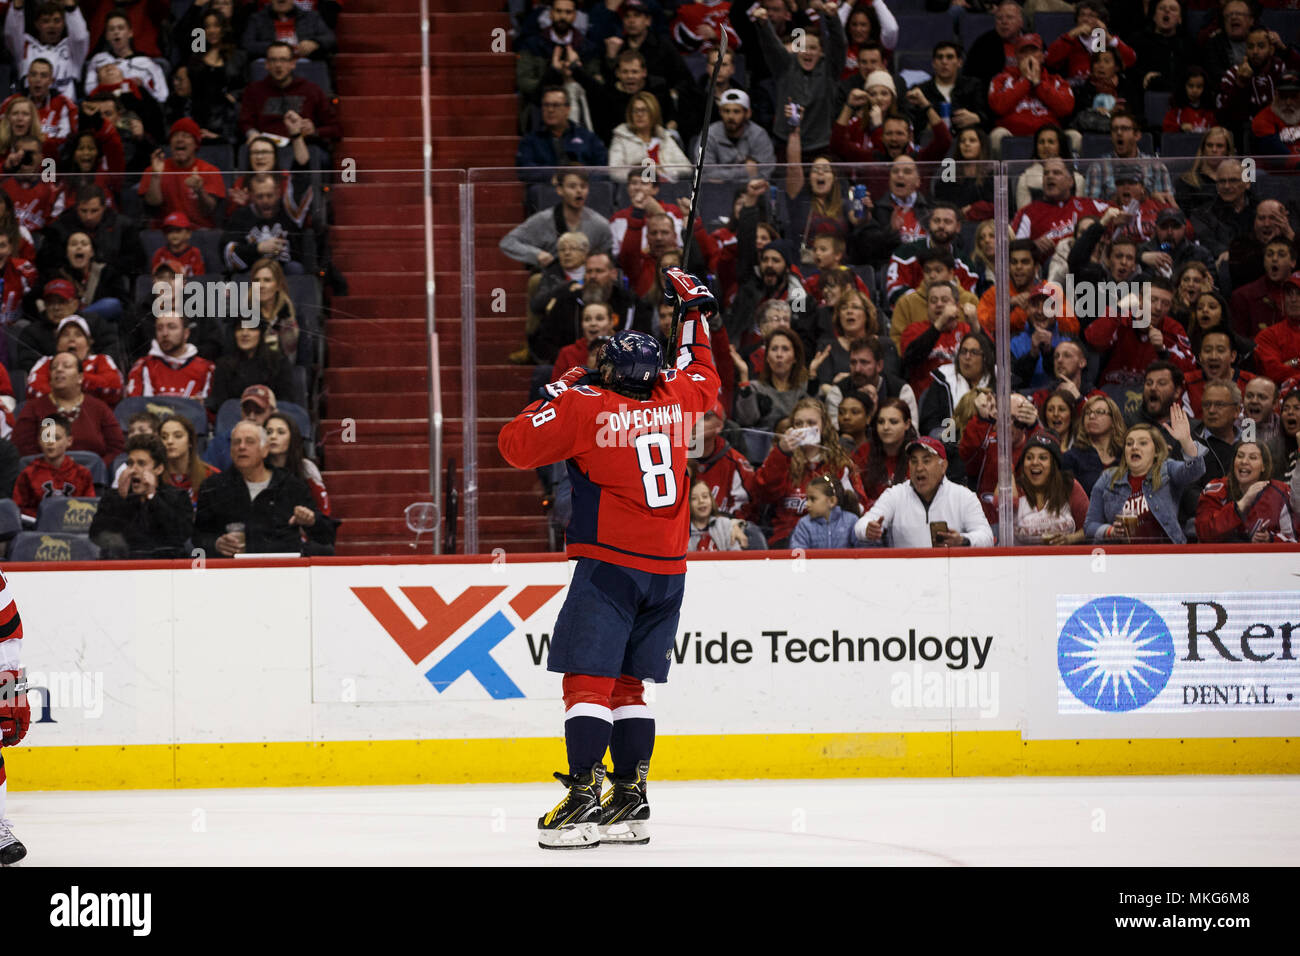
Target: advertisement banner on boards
(761, 646)
(1178, 646)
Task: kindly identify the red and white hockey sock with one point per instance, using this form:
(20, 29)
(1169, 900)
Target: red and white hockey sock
(633, 737)
(587, 720)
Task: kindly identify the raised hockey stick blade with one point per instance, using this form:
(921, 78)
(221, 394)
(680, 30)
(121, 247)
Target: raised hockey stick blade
(670, 353)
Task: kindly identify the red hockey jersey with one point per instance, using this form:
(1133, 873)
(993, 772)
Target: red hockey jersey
(36, 204)
(101, 378)
(189, 376)
(626, 459)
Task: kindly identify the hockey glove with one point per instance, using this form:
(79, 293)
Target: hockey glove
(574, 376)
(687, 292)
(15, 715)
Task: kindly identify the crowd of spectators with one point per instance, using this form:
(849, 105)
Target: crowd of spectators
(846, 228)
(185, 144)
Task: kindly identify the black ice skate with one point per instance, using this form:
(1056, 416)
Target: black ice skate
(11, 851)
(574, 824)
(625, 812)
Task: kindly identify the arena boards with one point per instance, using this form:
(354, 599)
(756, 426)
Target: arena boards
(336, 672)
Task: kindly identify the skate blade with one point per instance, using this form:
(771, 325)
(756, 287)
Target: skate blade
(580, 836)
(628, 833)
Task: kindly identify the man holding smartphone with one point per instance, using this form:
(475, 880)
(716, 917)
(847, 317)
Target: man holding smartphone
(928, 510)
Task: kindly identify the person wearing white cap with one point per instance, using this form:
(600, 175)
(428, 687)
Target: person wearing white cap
(734, 140)
(100, 375)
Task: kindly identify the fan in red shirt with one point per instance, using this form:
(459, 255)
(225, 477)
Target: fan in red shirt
(1277, 348)
(929, 344)
(100, 374)
(173, 366)
(1071, 53)
(641, 267)
(1027, 97)
(178, 252)
(1049, 220)
(1245, 505)
(183, 182)
(810, 448)
(1131, 347)
(53, 474)
(36, 202)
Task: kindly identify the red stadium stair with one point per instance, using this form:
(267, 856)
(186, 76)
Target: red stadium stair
(375, 381)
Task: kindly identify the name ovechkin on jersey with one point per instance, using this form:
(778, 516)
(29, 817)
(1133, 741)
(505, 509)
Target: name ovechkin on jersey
(618, 427)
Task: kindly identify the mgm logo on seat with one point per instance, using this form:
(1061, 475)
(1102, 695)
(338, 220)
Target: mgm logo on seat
(78, 515)
(53, 549)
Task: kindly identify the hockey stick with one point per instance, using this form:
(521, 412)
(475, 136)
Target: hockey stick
(695, 197)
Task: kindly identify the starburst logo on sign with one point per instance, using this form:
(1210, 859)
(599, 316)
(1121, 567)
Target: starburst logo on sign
(1115, 654)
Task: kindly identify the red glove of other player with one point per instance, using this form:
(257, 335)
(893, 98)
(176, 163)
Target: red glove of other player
(15, 715)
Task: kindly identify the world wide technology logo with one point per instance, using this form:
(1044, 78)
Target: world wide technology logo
(444, 619)
(1175, 653)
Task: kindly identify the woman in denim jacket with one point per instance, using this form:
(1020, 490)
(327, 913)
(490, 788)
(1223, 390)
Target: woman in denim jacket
(1137, 500)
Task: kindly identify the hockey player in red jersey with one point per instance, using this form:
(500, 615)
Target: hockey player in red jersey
(15, 715)
(624, 432)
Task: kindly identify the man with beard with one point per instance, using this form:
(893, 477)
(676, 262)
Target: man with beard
(1069, 363)
(1216, 363)
(1277, 348)
(691, 100)
(1276, 128)
(1260, 304)
(944, 229)
(774, 281)
(1249, 87)
(1170, 248)
(735, 140)
(562, 314)
(535, 52)
(867, 375)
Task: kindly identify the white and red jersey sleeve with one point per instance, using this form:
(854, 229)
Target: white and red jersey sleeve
(689, 36)
(11, 628)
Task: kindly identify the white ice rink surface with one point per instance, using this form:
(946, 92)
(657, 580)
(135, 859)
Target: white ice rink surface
(1111, 821)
